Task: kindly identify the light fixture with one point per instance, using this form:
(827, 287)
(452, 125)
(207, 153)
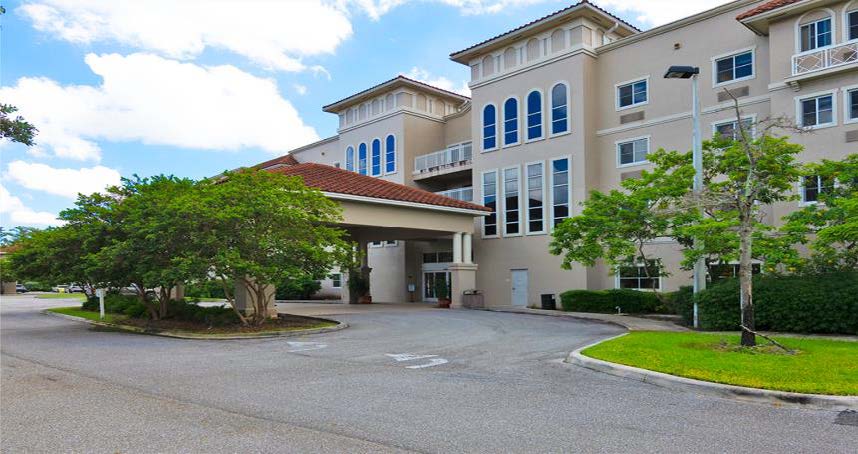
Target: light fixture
(681, 72)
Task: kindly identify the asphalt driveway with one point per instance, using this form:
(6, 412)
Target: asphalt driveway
(396, 380)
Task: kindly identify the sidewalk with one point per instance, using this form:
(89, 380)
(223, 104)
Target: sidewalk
(629, 322)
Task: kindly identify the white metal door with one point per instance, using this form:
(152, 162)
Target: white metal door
(519, 288)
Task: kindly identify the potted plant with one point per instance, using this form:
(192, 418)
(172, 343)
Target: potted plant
(359, 288)
(442, 294)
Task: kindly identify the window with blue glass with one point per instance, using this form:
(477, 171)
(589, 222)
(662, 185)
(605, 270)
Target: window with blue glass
(362, 159)
(632, 94)
(534, 115)
(559, 190)
(510, 121)
(490, 192)
(734, 67)
(489, 127)
(350, 159)
(375, 158)
(816, 34)
(559, 109)
(390, 154)
(853, 25)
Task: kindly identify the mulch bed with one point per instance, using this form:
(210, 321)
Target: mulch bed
(282, 323)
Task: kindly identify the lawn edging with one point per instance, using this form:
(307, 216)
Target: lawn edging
(181, 335)
(767, 396)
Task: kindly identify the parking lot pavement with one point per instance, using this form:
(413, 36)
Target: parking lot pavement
(413, 380)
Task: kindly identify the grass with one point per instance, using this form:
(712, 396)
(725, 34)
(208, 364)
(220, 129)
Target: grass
(89, 315)
(204, 299)
(55, 296)
(819, 366)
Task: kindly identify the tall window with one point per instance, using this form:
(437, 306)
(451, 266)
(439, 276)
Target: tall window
(817, 111)
(852, 104)
(350, 159)
(390, 154)
(511, 210)
(632, 94)
(730, 129)
(535, 196)
(632, 152)
(362, 159)
(559, 190)
(376, 158)
(816, 34)
(639, 277)
(734, 67)
(852, 17)
(534, 115)
(559, 109)
(489, 127)
(336, 280)
(510, 121)
(490, 192)
(814, 185)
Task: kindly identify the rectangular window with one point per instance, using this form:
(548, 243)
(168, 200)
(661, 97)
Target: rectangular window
(511, 202)
(730, 129)
(639, 277)
(390, 243)
(375, 157)
(816, 34)
(852, 104)
(818, 111)
(336, 280)
(559, 190)
(376, 244)
(814, 185)
(632, 152)
(734, 67)
(853, 25)
(535, 196)
(632, 94)
(490, 191)
(445, 257)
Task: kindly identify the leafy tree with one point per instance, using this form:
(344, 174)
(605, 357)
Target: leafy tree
(15, 128)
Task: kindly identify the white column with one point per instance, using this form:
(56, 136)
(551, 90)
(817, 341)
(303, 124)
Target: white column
(466, 247)
(457, 247)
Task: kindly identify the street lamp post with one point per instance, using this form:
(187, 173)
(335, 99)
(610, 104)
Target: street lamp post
(692, 72)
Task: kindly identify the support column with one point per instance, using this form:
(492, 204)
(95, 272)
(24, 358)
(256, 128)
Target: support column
(463, 276)
(244, 302)
(467, 240)
(178, 293)
(457, 247)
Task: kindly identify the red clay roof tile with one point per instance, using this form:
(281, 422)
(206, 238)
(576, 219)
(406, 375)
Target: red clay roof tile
(765, 7)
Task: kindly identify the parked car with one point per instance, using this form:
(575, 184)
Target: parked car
(20, 288)
(74, 288)
(62, 288)
(68, 288)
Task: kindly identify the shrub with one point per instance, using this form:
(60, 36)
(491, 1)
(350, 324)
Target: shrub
(210, 315)
(682, 303)
(297, 289)
(822, 303)
(117, 304)
(606, 301)
(205, 289)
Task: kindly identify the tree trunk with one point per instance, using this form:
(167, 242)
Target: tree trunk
(746, 293)
(230, 299)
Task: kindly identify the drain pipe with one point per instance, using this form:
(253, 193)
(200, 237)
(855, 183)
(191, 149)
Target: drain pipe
(609, 31)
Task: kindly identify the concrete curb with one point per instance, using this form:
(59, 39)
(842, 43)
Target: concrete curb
(741, 393)
(138, 330)
(559, 314)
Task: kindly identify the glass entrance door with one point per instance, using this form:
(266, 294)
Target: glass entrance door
(430, 280)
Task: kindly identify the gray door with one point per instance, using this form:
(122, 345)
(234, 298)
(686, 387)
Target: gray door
(519, 288)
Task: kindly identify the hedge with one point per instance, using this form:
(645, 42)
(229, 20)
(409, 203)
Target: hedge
(823, 304)
(177, 310)
(607, 301)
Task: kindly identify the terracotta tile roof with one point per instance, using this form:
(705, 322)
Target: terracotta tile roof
(765, 7)
(340, 181)
(287, 159)
(547, 16)
(399, 78)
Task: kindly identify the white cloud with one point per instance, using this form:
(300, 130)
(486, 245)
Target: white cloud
(161, 102)
(442, 82)
(62, 182)
(658, 12)
(14, 212)
(276, 35)
(377, 8)
(300, 89)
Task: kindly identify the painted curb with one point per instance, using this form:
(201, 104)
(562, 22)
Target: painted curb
(138, 330)
(741, 393)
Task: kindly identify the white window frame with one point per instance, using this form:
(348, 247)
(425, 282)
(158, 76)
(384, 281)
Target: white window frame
(517, 122)
(526, 200)
(357, 159)
(346, 158)
(375, 244)
(799, 25)
(483, 128)
(497, 205)
(502, 183)
(550, 166)
(659, 277)
(549, 118)
(370, 171)
(334, 281)
(734, 54)
(632, 82)
(799, 114)
(541, 113)
(752, 118)
(395, 155)
(850, 7)
(617, 144)
(801, 188)
(846, 104)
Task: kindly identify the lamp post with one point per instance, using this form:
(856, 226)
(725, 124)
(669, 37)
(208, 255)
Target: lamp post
(692, 72)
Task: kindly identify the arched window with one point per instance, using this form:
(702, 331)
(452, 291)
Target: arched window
(510, 58)
(375, 158)
(390, 154)
(362, 159)
(489, 127)
(558, 40)
(816, 29)
(350, 159)
(488, 65)
(559, 113)
(534, 115)
(510, 121)
(533, 49)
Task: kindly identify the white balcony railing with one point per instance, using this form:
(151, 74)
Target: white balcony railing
(463, 194)
(829, 57)
(455, 156)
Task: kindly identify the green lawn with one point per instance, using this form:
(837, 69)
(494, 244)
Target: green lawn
(53, 296)
(89, 315)
(818, 367)
(204, 299)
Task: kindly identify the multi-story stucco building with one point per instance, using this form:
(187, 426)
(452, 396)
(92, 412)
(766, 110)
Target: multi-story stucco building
(573, 102)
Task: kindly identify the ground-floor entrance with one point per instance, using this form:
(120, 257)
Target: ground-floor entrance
(519, 287)
(431, 281)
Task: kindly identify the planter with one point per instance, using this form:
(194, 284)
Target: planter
(444, 303)
(365, 299)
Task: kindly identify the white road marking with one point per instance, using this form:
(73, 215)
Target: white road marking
(305, 346)
(434, 361)
(431, 363)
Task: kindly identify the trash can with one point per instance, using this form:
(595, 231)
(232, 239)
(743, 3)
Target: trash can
(548, 302)
(473, 299)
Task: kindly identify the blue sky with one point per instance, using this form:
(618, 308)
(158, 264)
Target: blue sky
(192, 88)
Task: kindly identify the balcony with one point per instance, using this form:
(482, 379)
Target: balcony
(463, 194)
(823, 61)
(451, 160)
